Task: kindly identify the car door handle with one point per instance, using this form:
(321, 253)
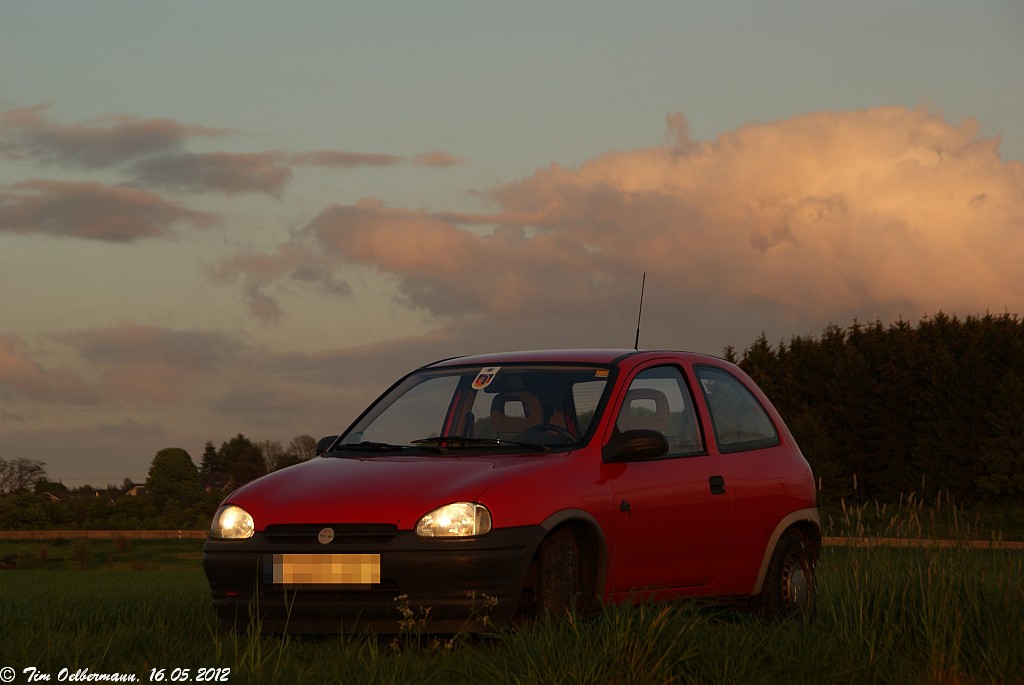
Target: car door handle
(717, 484)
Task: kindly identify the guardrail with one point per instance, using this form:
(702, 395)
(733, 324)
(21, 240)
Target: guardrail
(103, 534)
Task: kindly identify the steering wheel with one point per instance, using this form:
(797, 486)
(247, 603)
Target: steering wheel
(553, 430)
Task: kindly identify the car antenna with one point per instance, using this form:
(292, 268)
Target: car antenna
(636, 343)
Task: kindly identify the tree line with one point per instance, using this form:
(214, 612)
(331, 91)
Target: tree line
(882, 411)
(176, 493)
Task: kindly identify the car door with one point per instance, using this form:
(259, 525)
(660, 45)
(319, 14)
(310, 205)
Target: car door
(674, 511)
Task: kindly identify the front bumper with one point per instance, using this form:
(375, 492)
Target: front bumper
(426, 584)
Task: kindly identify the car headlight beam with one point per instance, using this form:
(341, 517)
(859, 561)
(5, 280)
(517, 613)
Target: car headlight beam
(232, 523)
(456, 520)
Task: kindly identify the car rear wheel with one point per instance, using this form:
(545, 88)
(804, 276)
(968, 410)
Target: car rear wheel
(789, 588)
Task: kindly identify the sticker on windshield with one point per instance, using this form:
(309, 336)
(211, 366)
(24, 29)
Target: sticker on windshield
(485, 377)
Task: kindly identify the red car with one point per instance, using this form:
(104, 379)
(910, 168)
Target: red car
(509, 485)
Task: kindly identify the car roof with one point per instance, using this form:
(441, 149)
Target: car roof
(584, 356)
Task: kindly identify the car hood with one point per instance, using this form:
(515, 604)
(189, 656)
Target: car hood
(379, 489)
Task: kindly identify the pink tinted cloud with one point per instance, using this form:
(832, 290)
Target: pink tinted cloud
(110, 141)
(437, 158)
(818, 213)
(93, 211)
(22, 378)
(888, 210)
(450, 270)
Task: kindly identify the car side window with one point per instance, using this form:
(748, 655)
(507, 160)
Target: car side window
(659, 399)
(739, 420)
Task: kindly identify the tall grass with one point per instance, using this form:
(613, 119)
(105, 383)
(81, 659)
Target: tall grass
(914, 517)
(885, 615)
(943, 603)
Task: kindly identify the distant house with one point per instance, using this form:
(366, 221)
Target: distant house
(134, 490)
(50, 496)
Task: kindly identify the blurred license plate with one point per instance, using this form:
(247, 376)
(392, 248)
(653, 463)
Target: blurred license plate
(314, 570)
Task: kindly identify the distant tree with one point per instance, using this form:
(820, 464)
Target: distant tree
(303, 447)
(211, 463)
(1003, 452)
(248, 466)
(173, 478)
(285, 460)
(242, 460)
(24, 511)
(53, 487)
(729, 355)
(272, 452)
(131, 513)
(20, 475)
(929, 408)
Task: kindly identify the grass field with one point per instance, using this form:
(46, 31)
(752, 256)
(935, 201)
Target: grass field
(884, 615)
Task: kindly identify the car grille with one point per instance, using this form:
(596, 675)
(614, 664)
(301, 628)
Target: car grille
(344, 533)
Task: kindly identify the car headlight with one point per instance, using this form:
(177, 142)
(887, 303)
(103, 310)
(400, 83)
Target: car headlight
(232, 523)
(461, 519)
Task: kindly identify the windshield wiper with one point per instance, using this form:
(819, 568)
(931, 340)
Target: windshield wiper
(462, 441)
(367, 446)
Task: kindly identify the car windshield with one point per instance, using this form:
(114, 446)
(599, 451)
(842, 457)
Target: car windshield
(542, 406)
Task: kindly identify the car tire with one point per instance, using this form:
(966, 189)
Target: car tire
(559, 573)
(789, 588)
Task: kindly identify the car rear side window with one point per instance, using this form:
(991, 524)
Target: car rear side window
(659, 399)
(739, 420)
(585, 397)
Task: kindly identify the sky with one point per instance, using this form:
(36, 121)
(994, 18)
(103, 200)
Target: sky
(236, 217)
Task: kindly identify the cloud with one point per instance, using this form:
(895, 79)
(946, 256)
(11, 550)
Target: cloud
(888, 210)
(153, 364)
(233, 173)
(129, 342)
(437, 158)
(130, 430)
(320, 392)
(381, 362)
(290, 261)
(151, 152)
(339, 158)
(229, 173)
(22, 378)
(106, 142)
(92, 210)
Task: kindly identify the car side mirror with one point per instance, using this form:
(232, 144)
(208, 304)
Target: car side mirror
(324, 444)
(635, 445)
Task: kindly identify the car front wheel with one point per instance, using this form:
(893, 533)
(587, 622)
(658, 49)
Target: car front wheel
(789, 585)
(559, 581)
